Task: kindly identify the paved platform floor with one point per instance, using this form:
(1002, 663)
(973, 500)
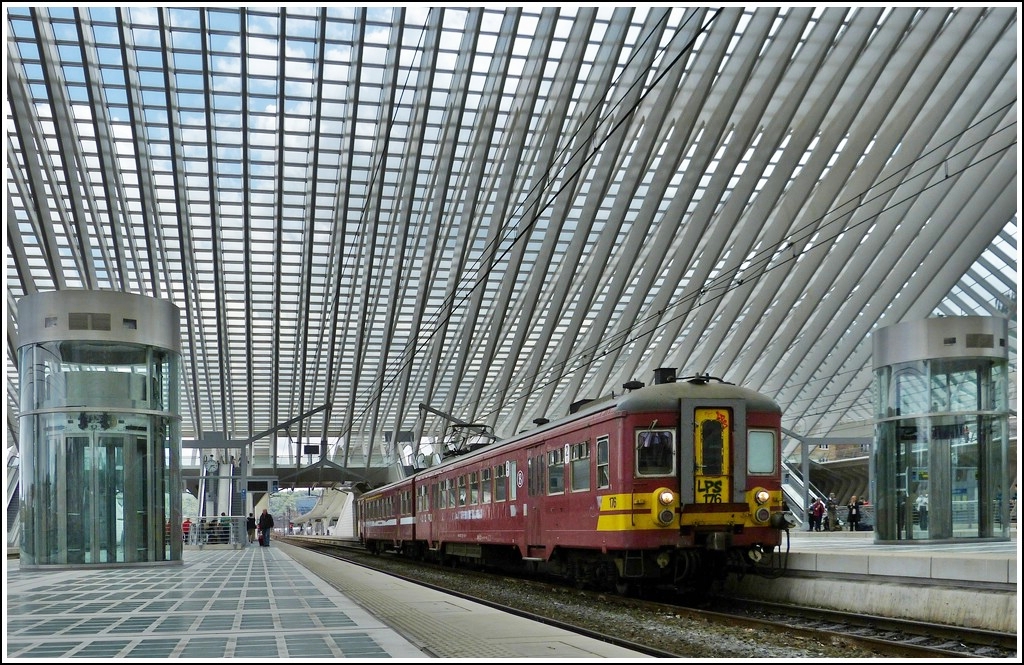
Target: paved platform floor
(219, 603)
(965, 562)
(256, 602)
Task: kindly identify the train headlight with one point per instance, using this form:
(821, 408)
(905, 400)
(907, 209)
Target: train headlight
(761, 496)
(663, 511)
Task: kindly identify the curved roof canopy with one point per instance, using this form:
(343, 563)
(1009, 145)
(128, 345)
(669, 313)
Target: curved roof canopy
(498, 211)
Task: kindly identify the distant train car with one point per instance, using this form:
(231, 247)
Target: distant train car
(670, 484)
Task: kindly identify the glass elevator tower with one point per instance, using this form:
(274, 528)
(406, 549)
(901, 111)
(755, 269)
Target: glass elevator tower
(100, 432)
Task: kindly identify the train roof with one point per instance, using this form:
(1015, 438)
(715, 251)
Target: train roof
(665, 395)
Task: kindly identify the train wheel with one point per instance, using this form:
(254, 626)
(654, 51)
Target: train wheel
(624, 587)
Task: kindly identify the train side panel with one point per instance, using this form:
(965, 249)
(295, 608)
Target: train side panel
(386, 518)
(472, 504)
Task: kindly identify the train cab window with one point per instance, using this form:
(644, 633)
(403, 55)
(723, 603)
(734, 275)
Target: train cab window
(485, 485)
(603, 476)
(556, 471)
(655, 452)
(579, 466)
(500, 483)
(474, 488)
(761, 452)
(712, 438)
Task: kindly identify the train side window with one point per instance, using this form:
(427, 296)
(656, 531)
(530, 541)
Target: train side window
(761, 452)
(474, 488)
(603, 475)
(485, 485)
(556, 471)
(462, 490)
(655, 452)
(500, 483)
(579, 466)
(451, 492)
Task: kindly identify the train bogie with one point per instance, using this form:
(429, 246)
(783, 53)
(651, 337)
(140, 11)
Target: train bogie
(674, 483)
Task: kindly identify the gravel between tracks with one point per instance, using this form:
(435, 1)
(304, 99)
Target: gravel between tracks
(674, 632)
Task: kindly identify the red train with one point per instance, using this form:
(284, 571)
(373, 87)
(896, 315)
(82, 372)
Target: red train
(676, 483)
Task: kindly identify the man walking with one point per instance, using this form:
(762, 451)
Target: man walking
(266, 525)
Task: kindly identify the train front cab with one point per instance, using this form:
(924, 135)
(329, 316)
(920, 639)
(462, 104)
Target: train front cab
(732, 497)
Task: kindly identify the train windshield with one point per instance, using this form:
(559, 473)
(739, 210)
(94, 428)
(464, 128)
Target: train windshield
(655, 452)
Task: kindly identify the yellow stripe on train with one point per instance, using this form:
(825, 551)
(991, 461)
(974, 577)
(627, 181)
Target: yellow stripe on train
(629, 512)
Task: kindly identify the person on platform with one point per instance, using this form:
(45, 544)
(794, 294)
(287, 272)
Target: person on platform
(817, 513)
(266, 524)
(832, 512)
(921, 505)
(853, 511)
(250, 528)
(186, 526)
(223, 524)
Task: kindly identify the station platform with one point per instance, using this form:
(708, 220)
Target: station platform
(965, 583)
(263, 602)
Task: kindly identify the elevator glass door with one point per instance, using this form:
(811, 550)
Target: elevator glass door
(107, 494)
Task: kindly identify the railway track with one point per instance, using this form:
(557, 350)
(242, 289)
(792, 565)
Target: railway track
(929, 638)
(663, 629)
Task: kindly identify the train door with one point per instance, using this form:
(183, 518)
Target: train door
(533, 501)
(712, 436)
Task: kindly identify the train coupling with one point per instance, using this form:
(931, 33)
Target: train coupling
(782, 520)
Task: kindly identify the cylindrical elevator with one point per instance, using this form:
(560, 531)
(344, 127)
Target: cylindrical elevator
(940, 463)
(100, 429)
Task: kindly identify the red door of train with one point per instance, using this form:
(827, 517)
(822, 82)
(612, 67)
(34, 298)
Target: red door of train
(532, 502)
